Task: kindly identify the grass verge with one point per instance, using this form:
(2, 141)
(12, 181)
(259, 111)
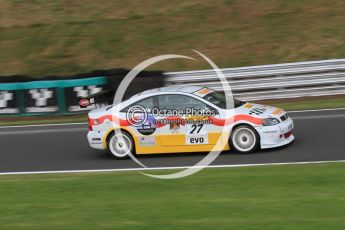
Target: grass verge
(59, 38)
(328, 103)
(270, 197)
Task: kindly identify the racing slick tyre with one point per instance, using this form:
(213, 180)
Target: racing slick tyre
(244, 139)
(120, 145)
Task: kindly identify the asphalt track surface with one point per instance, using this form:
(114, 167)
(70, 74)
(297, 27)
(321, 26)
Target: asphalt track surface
(319, 136)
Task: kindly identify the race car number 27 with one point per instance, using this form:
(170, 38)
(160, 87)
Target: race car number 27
(195, 129)
(196, 134)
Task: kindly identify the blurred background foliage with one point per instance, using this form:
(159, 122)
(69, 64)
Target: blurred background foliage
(43, 37)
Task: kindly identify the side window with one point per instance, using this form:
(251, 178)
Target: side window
(179, 102)
(147, 103)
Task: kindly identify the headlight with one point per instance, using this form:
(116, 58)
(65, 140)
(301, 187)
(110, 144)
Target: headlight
(270, 121)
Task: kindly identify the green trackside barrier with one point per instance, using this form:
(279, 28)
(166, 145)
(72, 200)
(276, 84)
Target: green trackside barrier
(60, 86)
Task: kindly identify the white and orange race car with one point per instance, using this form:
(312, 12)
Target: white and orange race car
(179, 119)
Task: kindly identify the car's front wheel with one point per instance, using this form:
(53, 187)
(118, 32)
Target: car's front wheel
(120, 145)
(244, 139)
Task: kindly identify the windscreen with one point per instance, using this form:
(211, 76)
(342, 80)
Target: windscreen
(218, 99)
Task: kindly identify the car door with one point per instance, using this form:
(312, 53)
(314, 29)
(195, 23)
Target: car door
(186, 133)
(144, 128)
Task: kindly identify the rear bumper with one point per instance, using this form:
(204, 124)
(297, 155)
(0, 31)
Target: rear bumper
(276, 135)
(95, 139)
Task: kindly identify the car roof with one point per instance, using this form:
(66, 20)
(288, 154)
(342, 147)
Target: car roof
(173, 89)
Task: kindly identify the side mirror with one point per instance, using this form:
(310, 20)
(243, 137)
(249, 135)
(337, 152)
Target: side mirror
(216, 112)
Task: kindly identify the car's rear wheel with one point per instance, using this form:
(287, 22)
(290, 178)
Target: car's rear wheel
(244, 139)
(120, 145)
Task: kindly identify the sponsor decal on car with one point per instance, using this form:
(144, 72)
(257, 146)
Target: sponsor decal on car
(148, 127)
(197, 140)
(277, 111)
(175, 127)
(147, 141)
(203, 92)
(257, 111)
(198, 119)
(196, 134)
(248, 105)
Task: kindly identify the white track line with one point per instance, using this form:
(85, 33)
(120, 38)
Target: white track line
(317, 117)
(84, 123)
(167, 168)
(23, 132)
(42, 125)
(315, 110)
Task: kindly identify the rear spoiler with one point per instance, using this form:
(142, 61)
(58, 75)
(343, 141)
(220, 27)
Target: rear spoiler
(99, 99)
